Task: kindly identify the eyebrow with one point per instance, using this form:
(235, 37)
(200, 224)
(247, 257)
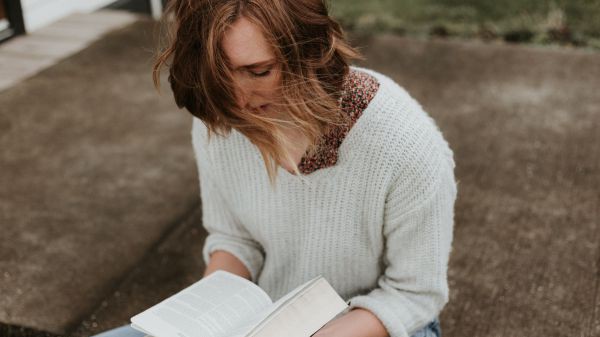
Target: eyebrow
(256, 64)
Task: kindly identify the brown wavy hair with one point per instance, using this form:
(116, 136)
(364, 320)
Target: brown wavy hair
(311, 51)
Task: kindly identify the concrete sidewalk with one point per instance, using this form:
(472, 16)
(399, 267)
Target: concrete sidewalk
(523, 123)
(96, 169)
(100, 211)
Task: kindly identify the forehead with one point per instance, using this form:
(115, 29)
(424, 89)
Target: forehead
(244, 44)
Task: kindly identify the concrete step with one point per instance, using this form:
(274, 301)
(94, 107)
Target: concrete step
(96, 169)
(523, 123)
(26, 55)
(172, 265)
(96, 172)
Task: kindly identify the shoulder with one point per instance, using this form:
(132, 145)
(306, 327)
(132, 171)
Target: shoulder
(200, 139)
(210, 150)
(396, 118)
(216, 142)
(407, 140)
(392, 101)
(224, 153)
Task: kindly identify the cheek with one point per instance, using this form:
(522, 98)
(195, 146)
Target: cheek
(274, 84)
(266, 88)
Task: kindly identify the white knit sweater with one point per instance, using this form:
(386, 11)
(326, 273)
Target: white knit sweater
(377, 225)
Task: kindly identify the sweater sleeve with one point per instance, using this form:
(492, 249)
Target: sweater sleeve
(225, 231)
(413, 288)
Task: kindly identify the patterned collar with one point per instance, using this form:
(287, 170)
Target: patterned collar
(359, 89)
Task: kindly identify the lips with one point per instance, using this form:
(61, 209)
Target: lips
(262, 109)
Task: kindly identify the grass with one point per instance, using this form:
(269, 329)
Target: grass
(564, 22)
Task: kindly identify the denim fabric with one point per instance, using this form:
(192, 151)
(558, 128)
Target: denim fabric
(123, 331)
(431, 330)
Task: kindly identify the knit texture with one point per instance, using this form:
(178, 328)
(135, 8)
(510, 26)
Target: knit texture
(377, 224)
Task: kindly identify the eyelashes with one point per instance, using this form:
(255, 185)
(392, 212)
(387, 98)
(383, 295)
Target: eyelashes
(263, 74)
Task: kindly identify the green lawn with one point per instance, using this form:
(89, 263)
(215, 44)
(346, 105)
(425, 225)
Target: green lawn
(574, 22)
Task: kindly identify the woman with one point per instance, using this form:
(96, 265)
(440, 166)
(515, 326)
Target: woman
(367, 190)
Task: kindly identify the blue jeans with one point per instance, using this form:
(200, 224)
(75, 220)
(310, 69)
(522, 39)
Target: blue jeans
(430, 330)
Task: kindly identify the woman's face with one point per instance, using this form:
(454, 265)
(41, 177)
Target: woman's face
(253, 64)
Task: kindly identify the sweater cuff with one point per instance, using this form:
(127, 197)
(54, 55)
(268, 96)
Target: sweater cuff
(390, 319)
(250, 257)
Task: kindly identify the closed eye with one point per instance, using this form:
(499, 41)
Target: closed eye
(263, 74)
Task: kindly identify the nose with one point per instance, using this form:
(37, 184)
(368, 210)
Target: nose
(243, 94)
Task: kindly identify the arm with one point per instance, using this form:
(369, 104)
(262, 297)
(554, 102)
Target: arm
(413, 288)
(355, 323)
(229, 245)
(223, 260)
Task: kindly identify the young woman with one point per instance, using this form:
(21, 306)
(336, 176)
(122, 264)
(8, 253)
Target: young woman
(309, 166)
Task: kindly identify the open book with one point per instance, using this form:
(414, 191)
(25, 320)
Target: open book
(226, 305)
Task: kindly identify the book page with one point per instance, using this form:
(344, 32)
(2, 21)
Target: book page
(304, 314)
(268, 311)
(211, 307)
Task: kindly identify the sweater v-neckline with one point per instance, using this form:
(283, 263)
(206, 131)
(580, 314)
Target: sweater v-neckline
(346, 149)
(345, 154)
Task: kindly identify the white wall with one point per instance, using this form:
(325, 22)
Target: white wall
(38, 13)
